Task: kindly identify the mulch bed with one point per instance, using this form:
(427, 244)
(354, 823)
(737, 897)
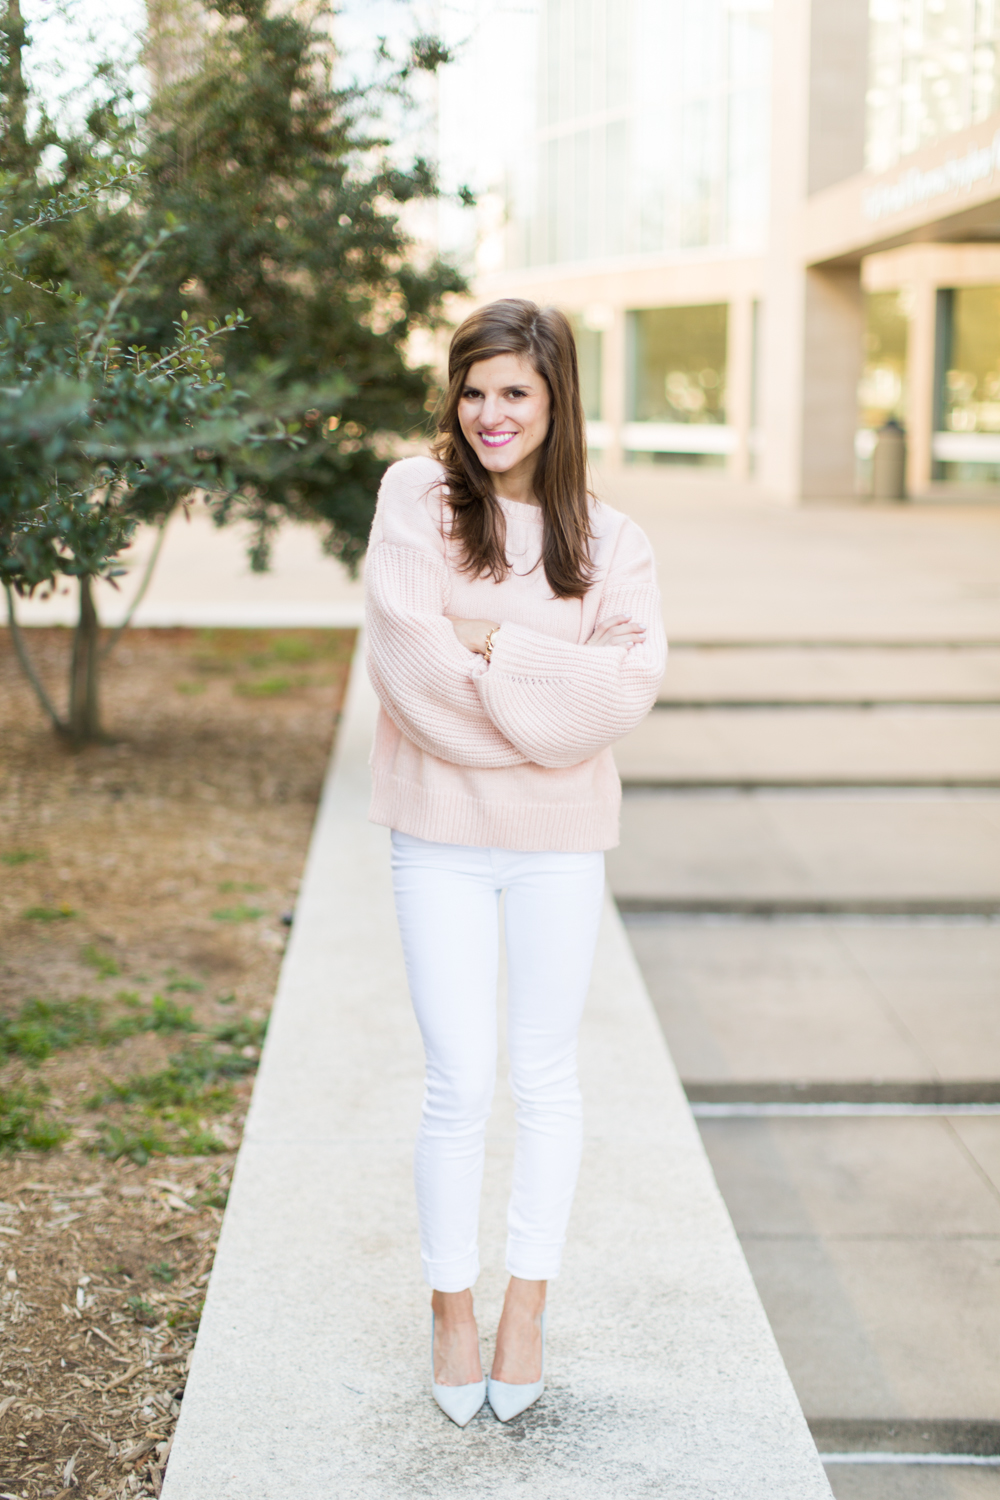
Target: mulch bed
(145, 890)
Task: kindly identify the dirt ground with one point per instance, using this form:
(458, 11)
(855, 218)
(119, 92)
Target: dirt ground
(145, 890)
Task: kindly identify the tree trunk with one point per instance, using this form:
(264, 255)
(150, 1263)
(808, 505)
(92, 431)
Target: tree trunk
(84, 694)
(15, 92)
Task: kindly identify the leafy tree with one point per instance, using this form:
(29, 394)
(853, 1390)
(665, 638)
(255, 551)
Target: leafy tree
(293, 211)
(98, 434)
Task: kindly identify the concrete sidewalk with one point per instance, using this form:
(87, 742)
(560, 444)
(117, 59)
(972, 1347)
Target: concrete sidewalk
(202, 578)
(311, 1372)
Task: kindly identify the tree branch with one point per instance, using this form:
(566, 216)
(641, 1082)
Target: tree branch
(119, 630)
(21, 651)
(128, 282)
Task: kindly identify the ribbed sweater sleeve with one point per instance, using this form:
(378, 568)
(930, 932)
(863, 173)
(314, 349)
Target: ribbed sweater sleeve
(422, 675)
(561, 703)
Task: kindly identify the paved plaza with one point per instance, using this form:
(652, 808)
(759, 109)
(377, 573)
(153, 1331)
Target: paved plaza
(810, 876)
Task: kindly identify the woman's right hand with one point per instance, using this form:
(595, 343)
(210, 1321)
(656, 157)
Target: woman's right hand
(618, 630)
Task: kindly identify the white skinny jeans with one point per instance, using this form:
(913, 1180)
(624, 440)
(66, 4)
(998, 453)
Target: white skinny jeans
(447, 900)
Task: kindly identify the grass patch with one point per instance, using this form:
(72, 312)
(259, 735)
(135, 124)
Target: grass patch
(15, 857)
(163, 1015)
(42, 1027)
(199, 1074)
(178, 982)
(238, 913)
(23, 1124)
(163, 1272)
(266, 687)
(186, 1317)
(191, 689)
(200, 1142)
(142, 1311)
(212, 1196)
(102, 963)
(294, 648)
(228, 887)
(243, 1032)
(138, 1144)
(48, 913)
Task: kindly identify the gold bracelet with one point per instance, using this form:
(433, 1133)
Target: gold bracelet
(488, 648)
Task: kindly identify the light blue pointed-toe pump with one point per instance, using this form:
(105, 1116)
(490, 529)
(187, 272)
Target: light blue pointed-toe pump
(459, 1402)
(509, 1401)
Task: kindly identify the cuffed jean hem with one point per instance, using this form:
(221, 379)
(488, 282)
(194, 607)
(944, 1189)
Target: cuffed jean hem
(451, 1275)
(533, 1262)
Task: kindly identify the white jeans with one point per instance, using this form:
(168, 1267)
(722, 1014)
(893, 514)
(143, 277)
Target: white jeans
(447, 899)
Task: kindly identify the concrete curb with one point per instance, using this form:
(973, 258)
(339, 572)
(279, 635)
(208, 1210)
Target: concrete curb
(311, 1372)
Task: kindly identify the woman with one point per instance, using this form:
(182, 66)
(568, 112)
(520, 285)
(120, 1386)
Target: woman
(514, 634)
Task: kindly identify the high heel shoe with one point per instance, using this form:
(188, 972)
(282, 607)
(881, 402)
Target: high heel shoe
(509, 1401)
(459, 1402)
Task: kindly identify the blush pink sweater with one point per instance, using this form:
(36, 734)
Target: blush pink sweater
(514, 753)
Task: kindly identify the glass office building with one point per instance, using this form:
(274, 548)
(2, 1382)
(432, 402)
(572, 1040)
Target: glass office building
(775, 224)
(617, 79)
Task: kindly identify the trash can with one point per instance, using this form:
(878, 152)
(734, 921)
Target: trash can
(889, 463)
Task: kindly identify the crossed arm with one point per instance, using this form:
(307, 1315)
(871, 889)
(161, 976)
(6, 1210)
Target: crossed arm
(619, 630)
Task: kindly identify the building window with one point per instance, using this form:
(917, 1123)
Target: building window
(966, 445)
(677, 384)
(882, 392)
(679, 364)
(589, 353)
(652, 130)
(933, 69)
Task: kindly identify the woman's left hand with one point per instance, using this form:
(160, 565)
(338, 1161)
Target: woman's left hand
(619, 630)
(472, 633)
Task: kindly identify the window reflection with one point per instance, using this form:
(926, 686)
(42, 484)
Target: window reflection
(653, 130)
(932, 71)
(971, 395)
(882, 391)
(589, 351)
(679, 364)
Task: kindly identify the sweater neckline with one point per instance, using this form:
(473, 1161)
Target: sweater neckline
(518, 511)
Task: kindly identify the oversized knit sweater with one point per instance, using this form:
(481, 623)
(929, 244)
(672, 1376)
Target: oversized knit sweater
(513, 753)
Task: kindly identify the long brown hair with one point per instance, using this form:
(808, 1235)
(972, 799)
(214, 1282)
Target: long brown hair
(542, 336)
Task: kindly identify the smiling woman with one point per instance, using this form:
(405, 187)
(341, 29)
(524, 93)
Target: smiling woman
(514, 634)
(504, 412)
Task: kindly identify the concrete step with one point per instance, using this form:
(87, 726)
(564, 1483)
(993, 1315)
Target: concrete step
(310, 1375)
(875, 1245)
(800, 672)
(956, 745)
(739, 568)
(808, 847)
(817, 1002)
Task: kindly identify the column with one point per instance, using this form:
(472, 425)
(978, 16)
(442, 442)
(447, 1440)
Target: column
(614, 382)
(832, 358)
(739, 384)
(812, 335)
(921, 374)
